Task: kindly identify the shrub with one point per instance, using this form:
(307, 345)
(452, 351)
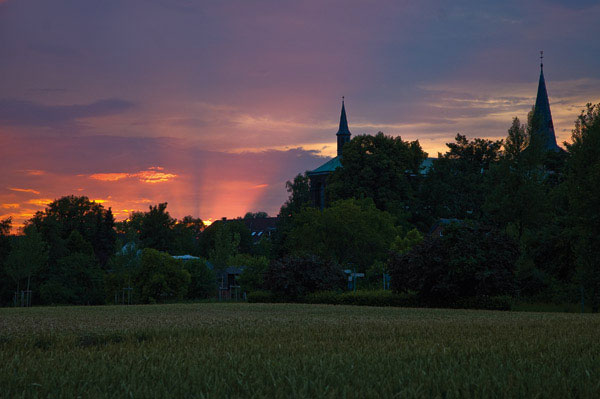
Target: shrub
(160, 278)
(293, 277)
(501, 302)
(261, 297)
(464, 263)
(252, 277)
(203, 282)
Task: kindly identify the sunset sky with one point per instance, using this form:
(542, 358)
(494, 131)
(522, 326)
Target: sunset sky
(212, 105)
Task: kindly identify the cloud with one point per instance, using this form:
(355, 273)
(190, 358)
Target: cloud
(152, 175)
(24, 190)
(27, 113)
(40, 201)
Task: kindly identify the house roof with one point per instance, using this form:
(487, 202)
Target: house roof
(327, 167)
(261, 224)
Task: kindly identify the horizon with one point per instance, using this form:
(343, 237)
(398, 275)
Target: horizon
(212, 107)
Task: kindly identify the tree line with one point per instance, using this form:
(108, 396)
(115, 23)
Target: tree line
(511, 219)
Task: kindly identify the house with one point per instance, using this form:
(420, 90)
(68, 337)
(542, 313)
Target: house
(261, 227)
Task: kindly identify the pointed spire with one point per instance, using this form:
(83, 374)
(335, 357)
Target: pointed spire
(343, 121)
(343, 134)
(543, 115)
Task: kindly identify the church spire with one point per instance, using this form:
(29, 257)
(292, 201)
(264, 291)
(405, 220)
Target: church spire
(343, 134)
(545, 130)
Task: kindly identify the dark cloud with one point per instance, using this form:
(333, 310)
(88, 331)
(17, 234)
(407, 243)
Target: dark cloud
(27, 113)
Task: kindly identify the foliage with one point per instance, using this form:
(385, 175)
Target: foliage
(363, 298)
(583, 188)
(465, 262)
(76, 279)
(121, 270)
(186, 236)
(203, 281)
(299, 196)
(404, 244)
(378, 167)
(28, 255)
(67, 214)
(261, 296)
(256, 215)
(5, 290)
(518, 196)
(224, 239)
(349, 231)
(160, 278)
(455, 185)
(154, 227)
(295, 276)
(252, 277)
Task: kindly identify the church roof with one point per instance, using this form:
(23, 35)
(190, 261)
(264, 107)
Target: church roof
(542, 112)
(327, 167)
(343, 130)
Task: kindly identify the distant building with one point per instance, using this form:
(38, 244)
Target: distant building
(544, 116)
(318, 177)
(261, 227)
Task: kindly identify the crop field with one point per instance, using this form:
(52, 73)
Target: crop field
(292, 350)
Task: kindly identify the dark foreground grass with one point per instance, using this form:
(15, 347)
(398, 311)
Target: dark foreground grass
(266, 350)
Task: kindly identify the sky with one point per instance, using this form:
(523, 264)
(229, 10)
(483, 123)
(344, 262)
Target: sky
(212, 106)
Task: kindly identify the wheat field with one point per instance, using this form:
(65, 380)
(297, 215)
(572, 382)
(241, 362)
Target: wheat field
(213, 350)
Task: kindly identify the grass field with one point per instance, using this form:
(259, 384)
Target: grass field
(264, 350)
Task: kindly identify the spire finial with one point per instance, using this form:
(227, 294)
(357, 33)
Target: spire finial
(343, 99)
(541, 58)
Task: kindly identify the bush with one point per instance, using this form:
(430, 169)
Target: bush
(261, 297)
(362, 298)
(160, 278)
(501, 302)
(76, 279)
(203, 282)
(293, 277)
(252, 277)
(464, 263)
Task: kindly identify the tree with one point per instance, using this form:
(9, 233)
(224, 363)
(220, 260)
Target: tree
(156, 228)
(5, 286)
(583, 188)
(223, 239)
(90, 219)
(186, 236)
(465, 262)
(404, 244)
(518, 197)
(299, 196)
(455, 184)
(160, 278)
(349, 231)
(75, 278)
(256, 215)
(28, 255)
(293, 277)
(203, 281)
(252, 277)
(378, 167)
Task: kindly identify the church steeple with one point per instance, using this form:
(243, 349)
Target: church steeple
(545, 131)
(343, 134)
